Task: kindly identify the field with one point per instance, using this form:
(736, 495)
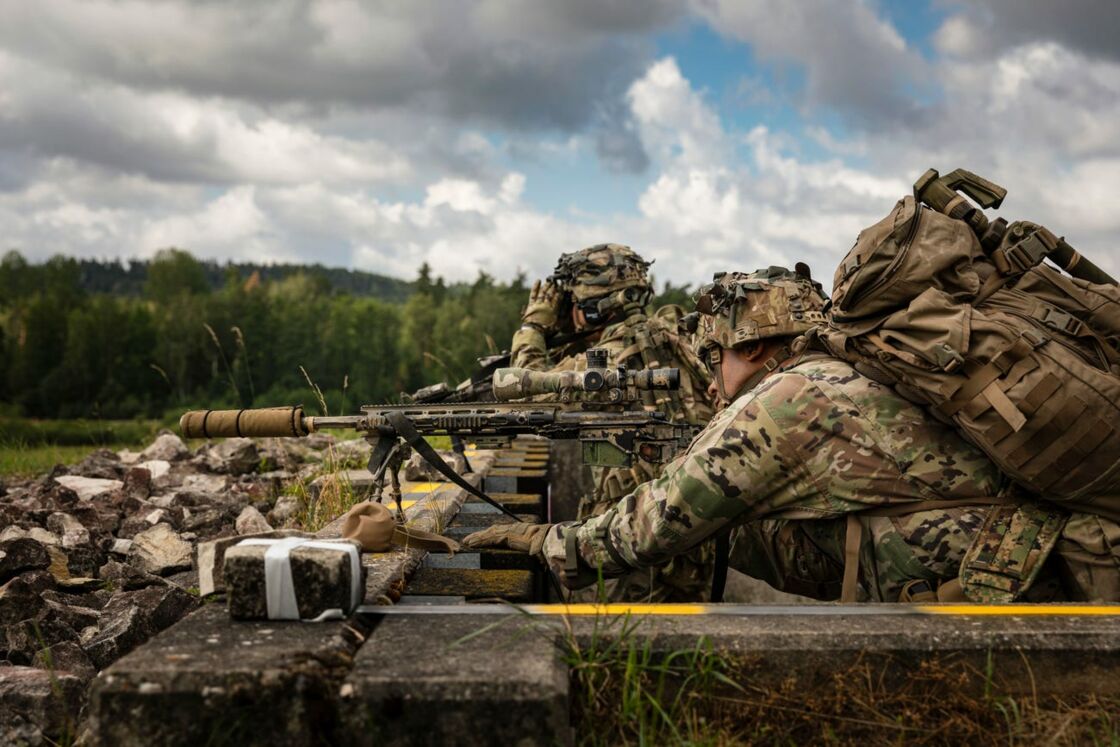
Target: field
(29, 447)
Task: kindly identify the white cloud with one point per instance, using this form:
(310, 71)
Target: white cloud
(383, 136)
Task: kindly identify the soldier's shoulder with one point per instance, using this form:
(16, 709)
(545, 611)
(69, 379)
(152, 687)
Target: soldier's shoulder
(818, 377)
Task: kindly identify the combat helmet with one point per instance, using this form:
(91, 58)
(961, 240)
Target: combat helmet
(739, 308)
(602, 279)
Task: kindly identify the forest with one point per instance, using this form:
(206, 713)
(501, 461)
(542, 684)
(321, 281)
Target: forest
(106, 340)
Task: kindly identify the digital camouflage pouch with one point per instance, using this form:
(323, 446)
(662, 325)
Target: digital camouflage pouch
(1010, 550)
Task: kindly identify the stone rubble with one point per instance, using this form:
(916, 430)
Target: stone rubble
(97, 557)
(251, 521)
(160, 551)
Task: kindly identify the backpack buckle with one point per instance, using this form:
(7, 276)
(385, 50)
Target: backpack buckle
(1024, 255)
(1060, 320)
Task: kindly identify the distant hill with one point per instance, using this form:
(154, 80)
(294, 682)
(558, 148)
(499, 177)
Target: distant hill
(119, 279)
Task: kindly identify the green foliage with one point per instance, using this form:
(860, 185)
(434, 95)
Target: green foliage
(174, 272)
(233, 337)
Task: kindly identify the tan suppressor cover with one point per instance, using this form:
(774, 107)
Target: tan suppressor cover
(261, 423)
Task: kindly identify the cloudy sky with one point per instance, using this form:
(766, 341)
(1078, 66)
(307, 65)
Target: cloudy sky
(493, 135)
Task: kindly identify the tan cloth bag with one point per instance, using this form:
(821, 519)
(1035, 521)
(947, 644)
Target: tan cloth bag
(373, 526)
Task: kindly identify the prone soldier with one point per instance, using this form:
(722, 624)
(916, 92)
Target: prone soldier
(598, 296)
(830, 484)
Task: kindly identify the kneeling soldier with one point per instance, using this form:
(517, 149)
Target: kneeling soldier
(601, 293)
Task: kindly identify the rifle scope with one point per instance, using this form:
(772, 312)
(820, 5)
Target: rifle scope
(518, 383)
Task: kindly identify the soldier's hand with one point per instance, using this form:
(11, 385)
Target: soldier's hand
(544, 306)
(520, 537)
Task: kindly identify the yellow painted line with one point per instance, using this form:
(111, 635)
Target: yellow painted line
(1010, 610)
(419, 488)
(615, 609)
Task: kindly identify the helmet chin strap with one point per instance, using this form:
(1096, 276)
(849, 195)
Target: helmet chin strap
(768, 367)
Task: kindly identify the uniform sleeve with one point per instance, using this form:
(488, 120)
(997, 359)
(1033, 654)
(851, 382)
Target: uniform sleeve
(730, 472)
(529, 350)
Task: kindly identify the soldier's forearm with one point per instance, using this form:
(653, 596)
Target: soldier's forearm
(529, 349)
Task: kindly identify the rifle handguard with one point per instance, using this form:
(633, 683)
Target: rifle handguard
(259, 423)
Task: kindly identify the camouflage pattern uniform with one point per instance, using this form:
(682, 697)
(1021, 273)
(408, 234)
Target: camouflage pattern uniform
(615, 276)
(791, 458)
(815, 441)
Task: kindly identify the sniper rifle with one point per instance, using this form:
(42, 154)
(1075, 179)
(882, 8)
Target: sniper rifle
(594, 406)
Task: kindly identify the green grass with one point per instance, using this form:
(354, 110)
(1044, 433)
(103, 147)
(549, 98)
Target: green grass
(77, 432)
(18, 460)
(29, 447)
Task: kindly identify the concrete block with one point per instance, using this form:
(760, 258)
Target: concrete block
(412, 685)
(211, 680)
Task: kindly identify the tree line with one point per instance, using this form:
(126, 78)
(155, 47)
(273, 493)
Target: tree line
(81, 338)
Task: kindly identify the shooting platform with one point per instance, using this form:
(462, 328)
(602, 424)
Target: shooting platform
(428, 661)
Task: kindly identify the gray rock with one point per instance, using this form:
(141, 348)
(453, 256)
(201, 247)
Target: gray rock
(233, 456)
(131, 617)
(285, 508)
(121, 546)
(75, 616)
(71, 531)
(144, 519)
(167, 447)
(157, 468)
(19, 600)
(81, 561)
(19, 555)
(101, 463)
(250, 521)
(24, 639)
(124, 576)
(37, 705)
(38, 534)
(204, 483)
(205, 522)
(66, 656)
(88, 488)
(321, 578)
(160, 550)
(138, 481)
(94, 600)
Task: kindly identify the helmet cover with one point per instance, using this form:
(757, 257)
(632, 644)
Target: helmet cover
(742, 307)
(599, 271)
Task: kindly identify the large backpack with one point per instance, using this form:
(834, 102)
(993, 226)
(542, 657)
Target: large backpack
(1023, 359)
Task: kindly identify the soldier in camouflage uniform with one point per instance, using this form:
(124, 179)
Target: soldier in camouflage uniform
(817, 470)
(602, 292)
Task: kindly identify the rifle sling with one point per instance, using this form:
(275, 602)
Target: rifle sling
(406, 430)
(719, 573)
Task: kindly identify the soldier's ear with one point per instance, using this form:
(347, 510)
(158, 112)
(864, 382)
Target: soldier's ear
(752, 351)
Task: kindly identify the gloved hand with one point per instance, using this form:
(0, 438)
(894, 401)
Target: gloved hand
(544, 306)
(519, 536)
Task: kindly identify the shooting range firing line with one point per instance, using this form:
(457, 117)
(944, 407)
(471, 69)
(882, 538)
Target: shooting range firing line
(748, 610)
